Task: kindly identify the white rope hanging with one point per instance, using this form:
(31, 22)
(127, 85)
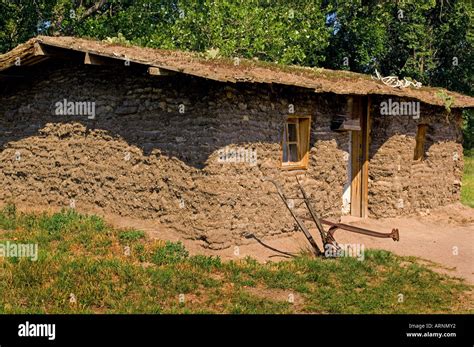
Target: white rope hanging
(393, 81)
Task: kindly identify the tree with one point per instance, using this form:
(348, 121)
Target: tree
(428, 40)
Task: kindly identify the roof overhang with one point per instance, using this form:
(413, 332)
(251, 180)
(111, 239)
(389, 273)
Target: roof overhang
(166, 62)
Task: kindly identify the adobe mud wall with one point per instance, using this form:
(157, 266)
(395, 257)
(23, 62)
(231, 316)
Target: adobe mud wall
(152, 152)
(400, 185)
(142, 157)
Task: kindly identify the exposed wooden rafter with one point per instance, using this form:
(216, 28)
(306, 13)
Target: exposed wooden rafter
(93, 59)
(158, 71)
(161, 62)
(97, 59)
(39, 49)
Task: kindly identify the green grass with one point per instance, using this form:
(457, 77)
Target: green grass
(83, 256)
(467, 191)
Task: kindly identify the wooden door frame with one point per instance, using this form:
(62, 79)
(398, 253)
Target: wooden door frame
(360, 143)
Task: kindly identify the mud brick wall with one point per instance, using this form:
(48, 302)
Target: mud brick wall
(398, 184)
(141, 157)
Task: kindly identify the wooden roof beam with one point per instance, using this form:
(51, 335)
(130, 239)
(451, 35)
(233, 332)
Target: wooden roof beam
(94, 59)
(40, 50)
(158, 71)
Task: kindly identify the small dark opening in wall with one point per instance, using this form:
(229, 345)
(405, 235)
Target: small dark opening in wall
(420, 142)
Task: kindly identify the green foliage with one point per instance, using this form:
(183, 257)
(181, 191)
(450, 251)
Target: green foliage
(120, 39)
(381, 257)
(468, 129)
(290, 33)
(427, 40)
(92, 266)
(69, 220)
(454, 46)
(424, 39)
(467, 189)
(55, 224)
(448, 100)
(411, 41)
(170, 253)
(205, 262)
(359, 35)
(9, 211)
(58, 221)
(131, 235)
(8, 217)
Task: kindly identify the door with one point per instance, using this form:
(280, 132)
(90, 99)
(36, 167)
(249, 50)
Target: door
(360, 109)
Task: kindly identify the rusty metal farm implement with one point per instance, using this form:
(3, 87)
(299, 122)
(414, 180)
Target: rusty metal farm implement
(327, 236)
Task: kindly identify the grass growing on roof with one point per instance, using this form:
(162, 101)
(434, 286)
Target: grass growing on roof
(81, 255)
(467, 190)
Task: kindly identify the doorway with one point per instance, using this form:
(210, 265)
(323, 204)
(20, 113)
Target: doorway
(360, 142)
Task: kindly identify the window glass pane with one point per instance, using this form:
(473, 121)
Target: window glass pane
(295, 141)
(292, 132)
(293, 155)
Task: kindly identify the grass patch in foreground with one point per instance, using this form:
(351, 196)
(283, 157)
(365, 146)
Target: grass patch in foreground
(467, 190)
(81, 256)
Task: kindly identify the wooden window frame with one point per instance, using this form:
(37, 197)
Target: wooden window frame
(302, 143)
(419, 152)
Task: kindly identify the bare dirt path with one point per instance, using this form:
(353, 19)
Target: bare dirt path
(444, 239)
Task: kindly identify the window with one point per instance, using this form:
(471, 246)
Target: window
(420, 142)
(295, 144)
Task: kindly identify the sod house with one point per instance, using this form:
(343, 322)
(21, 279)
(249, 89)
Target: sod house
(186, 140)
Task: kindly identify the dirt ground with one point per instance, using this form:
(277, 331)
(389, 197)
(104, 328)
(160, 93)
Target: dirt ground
(443, 239)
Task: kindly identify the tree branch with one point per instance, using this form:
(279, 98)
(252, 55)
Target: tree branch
(93, 9)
